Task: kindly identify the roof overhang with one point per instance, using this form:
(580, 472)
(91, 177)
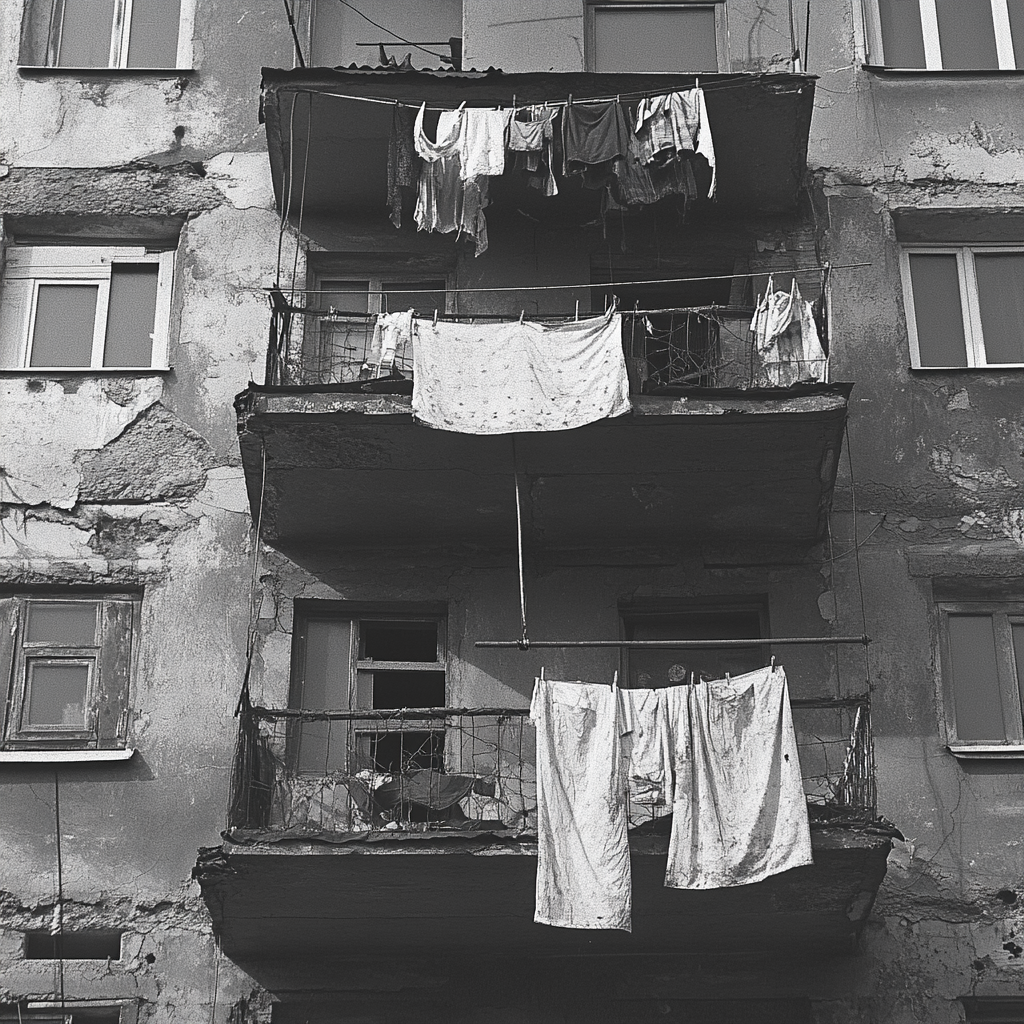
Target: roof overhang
(331, 144)
(715, 465)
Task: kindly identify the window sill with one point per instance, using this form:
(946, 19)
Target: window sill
(881, 69)
(96, 371)
(46, 71)
(994, 368)
(63, 756)
(987, 751)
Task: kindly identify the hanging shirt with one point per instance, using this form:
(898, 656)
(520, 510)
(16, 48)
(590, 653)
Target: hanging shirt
(786, 337)
(739, 810)
(509, 377)
(595, 134)
(482, 142)
(403, 160)
(532, 142)
(650, 754)
(583, 872)
(392, 337)
(673, 124)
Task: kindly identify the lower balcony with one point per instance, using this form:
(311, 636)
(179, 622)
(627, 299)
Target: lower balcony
(352, 831)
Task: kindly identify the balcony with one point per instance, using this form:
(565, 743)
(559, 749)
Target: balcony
(320, 129)
(323, 804)
(718, 446)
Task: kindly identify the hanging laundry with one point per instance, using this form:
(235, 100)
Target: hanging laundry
(519, 376)
(444, 201)
(583, 870)
(594, 135)
(532, 141)
(786, 337)
(650, 755)
(637, 184)
(675, 124)
(392, 340)
(739, 810)
(403, 160)
(482, 142)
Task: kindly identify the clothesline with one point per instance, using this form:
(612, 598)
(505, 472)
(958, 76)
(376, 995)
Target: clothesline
(789, 641)
(627, 97)
(606, 285)
(359, 315)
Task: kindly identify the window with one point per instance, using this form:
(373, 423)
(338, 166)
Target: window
(982, 664)
(113, 33)
(85, 307)
(340, 36)
(339, 349)
(965, 305)
(372, 661)
(69, 661)
(994, 1009)
(654, 36)
(666, 620)
(946, 35)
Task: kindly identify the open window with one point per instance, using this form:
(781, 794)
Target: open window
(688, 620)
(69, 659)
(655, 35)
(115, 34)
(377, 661)
(965, 305)
(341, 36)
(85, 307)
(946, 35)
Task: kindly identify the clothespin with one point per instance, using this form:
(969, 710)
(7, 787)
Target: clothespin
(577, 309)
(435, 317)
(727, 678)
(615, 680)
(773, 662)
(542, 673)
(521, 315)
(514, 104)
(696, 84)
(570, 99)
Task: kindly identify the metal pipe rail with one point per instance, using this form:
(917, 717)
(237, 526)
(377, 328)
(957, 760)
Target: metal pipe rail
(789, 641)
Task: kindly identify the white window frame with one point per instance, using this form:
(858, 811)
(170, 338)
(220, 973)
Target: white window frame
(721, 25)
(120, 35)
(969, 302)
(30, 266)
(930, 34)
(1004, 614)
(379, 283)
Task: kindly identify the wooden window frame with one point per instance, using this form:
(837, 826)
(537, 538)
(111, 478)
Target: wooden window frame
(111, 659)
(120, 33)
(30, 266)
(875, 50)
(1004, 615)
(721, 25)
(969, 301)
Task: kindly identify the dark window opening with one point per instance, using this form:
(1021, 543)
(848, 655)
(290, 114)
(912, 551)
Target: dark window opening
(408, 690)
(399, 641)
(96, 945)
(407, 751)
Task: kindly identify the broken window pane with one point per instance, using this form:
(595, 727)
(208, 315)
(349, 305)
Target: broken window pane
(902, 38)
(62, 623)
(967, 35)
(85, 32)
(64, 324)
(153, 40)
(131, 314)
(1001, 299)
(654, 38)
(57, 693)
(972, 654)
(940, 323)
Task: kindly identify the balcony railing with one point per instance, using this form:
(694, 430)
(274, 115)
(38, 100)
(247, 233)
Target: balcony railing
(666, 351)
(473, 769)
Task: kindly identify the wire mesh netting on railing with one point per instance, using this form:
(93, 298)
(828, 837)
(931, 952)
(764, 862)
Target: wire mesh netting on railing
(473, 769)
(665, 350)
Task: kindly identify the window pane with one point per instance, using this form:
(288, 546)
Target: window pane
(902, 38)
(1016, 9)
(655, 39)
(399, 641)
(153, 40)
(63, 624)
(344, 296)
(972, 653)
(1001, 298)
(64, 325)
(403, 295)
(935, 279)
(85, 34)
(323, 746)
(966, 34)
(408, 690)
(131, 315)
(56, 694)
(1017, 630)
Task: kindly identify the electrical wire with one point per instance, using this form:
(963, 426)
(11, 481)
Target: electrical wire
(391, 32)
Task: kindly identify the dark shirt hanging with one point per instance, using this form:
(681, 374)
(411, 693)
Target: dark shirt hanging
(595, 135)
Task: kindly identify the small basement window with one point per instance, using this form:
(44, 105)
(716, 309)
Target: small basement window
(74, 945)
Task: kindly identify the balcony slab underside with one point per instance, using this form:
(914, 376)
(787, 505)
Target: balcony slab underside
(296, 900)
(321, 133)
(712, 466)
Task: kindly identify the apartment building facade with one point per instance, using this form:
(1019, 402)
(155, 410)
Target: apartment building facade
(243, 590)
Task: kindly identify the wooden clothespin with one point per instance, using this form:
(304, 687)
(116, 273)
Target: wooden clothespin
(542, 673)
(521, 315)
(773, 662)
(577, 309)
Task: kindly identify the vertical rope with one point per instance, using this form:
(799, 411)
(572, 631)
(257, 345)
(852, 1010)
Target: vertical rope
(60, 884)
(524, 643)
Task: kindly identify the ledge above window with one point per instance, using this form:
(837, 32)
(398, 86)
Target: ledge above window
(987, 751)
(64, 756)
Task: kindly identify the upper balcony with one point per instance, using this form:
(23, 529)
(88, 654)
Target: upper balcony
(328, 139)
